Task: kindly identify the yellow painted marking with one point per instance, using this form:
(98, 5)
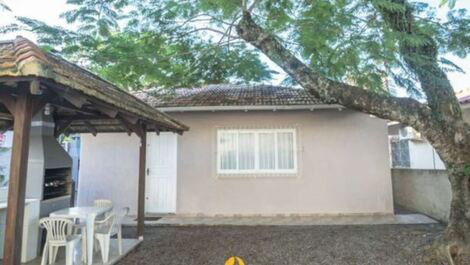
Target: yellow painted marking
(234, 261)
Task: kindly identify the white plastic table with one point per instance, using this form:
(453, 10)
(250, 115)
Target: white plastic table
(89, 214)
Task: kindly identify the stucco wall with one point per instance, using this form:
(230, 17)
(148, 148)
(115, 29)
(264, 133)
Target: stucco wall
(424, 191)
(343, 162)
(343, 166)
(109, 169)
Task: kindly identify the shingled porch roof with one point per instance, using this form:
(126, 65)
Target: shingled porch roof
(77, 93)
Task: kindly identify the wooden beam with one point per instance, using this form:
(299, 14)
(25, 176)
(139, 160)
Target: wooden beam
(9, 79)
(69, 106)
(112, 113)
(61, 127)
(75, 100)
(126, 127)
(66, 93)
(39, 104)
(80, 117)
(90, 128)
(17, 182)
(6, 116)
(141, 191)
(134, 128)
(129, 118)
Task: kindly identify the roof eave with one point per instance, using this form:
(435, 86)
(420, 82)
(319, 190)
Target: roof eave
(250, 108)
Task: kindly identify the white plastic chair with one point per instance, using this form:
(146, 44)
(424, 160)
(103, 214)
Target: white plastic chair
(107, 228)
(120, 215)
(103, 232)
(103, 203)
(59, 234)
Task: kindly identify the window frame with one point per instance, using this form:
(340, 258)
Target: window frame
(257, 170)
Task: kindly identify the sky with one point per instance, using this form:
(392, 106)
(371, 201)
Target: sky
(49, 12)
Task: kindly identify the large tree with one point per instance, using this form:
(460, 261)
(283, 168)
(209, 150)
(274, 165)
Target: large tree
(419, 44)
(356, 53)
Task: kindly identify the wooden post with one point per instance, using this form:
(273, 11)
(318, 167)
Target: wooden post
(18, 168)
(141, 192)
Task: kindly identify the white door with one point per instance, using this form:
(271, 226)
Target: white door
(161, 173)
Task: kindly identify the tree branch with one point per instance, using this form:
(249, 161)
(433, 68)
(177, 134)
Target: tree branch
(405, 110)
(422, 60)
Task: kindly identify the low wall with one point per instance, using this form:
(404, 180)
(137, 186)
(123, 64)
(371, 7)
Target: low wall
(424, 191)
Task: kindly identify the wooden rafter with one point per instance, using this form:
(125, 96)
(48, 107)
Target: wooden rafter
(91, 128)
(132, 127)
(62, 126)
(112, 113)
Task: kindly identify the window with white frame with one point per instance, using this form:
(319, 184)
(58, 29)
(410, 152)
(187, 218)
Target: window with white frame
(246, 151)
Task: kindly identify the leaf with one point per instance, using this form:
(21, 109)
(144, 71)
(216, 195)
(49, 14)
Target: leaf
(3, 6)
(450, 3)
(452, 65)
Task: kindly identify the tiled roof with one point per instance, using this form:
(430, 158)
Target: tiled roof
(22, 58)
(228, 95)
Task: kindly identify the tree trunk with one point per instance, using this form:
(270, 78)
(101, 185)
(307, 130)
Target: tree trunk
(454, 243)
(445, 130)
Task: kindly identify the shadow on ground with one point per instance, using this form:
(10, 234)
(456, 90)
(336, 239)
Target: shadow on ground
(292, 245)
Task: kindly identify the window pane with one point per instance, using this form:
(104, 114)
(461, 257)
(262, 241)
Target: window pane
(228, 150)
(267, 156)
(246, 151)
(285, 150)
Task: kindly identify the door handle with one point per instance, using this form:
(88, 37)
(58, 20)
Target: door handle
(148, 171)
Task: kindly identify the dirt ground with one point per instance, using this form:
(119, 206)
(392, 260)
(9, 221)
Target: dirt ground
(260, 245)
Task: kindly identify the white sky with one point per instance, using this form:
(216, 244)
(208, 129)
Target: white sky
(48, 11)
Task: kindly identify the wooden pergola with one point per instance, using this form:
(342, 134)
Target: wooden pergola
(80, 102)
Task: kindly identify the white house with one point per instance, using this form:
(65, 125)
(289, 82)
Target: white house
(250, 150)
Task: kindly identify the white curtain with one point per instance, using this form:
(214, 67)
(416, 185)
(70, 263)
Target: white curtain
(285, 150)
(251, 150)
(267, 155)
(246, 151)
(228, 150)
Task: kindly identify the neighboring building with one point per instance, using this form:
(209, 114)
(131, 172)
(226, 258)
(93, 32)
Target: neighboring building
(465, 103)
(420, 182)
(250, 150)
(408, 149)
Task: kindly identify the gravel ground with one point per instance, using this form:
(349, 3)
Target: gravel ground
(259, 245)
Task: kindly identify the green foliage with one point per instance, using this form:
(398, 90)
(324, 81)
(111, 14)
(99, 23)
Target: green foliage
(170, 43)
(451, 3)
(141, 44)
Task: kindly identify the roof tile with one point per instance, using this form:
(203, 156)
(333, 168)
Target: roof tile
(228, 95)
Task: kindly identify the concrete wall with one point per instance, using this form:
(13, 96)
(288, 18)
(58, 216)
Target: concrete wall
(343, 166)
(424, 191)
(466, 113)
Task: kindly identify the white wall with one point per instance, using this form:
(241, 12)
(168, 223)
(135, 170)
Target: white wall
(109, 169)
(423, 156)
(343, 167)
